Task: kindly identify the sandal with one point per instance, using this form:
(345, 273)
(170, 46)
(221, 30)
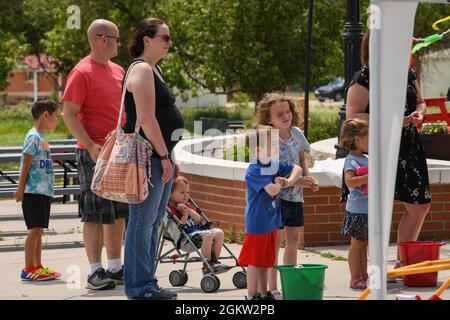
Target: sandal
(358, 284)
(398, 264)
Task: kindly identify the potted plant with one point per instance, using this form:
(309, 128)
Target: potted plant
(436, 140)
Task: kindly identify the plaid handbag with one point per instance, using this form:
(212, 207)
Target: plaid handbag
(122, 171)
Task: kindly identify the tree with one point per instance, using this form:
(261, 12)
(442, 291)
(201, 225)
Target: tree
(11, 50)
(250, 45)
(41, 25)
(12, 45)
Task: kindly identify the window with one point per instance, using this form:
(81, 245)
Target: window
(30, 76)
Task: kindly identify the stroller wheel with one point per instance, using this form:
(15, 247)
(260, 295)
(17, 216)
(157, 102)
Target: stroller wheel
(177, 279)
(240, 280)
(210, 284)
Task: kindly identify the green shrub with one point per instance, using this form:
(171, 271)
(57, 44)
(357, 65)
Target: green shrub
(323, 131)
(240, 153)
(229, 113)
(20, 111)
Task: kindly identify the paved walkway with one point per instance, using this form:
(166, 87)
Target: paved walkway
(65, 231)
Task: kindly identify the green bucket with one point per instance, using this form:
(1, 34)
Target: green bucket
(302, 282)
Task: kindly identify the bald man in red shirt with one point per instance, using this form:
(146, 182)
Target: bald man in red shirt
(91, 109)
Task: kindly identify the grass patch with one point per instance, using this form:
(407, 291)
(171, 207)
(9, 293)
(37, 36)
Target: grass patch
(15, 123)
(228, 235)
(431, 110)
(326, 254)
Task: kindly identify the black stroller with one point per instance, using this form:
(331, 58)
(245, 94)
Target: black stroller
(175, 232)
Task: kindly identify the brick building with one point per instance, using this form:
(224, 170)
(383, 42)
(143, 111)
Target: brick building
(34, 77)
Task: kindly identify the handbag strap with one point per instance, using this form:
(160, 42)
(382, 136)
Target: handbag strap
(122, 102)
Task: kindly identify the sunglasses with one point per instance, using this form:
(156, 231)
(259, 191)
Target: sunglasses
(105, 35)
(165, 37)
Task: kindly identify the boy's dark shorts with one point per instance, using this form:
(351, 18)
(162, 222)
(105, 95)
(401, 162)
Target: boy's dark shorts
(291, 214)
(36, 210)
(92, 208)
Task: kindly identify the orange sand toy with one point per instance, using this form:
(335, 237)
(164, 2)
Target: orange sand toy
(422, 267)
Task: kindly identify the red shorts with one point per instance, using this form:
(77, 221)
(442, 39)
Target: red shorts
(258, 250)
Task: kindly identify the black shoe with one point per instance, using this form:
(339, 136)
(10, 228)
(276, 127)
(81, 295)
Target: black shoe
(255, 297)
(269, 296)
(220, 267)
(116, 276)
(100, 281)
(161, 294)
(217, 267)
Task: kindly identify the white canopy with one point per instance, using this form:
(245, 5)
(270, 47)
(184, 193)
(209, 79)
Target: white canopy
(392, 24)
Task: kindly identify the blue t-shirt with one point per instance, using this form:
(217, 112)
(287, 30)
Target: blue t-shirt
(263, 212)
(40, 179)
(290, 152)
(357, 201)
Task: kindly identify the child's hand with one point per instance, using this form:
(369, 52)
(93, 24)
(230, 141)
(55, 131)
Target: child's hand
(314, 185)
(278, 186)
(183, 208)
(281, 181)
(309, 182)
(19, 194)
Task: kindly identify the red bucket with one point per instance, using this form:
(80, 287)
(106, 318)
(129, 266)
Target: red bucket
(412, 252)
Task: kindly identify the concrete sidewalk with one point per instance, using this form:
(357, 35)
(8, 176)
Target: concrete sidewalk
(72, 263)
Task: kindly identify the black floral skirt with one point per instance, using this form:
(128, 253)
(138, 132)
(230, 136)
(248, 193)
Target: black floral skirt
(412, 184)
(356, 225)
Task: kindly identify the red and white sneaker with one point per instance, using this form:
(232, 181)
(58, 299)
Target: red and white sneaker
(52, 273)
(33, 274)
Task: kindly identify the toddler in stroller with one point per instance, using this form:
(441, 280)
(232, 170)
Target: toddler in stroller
(188, 228)
(197, 228)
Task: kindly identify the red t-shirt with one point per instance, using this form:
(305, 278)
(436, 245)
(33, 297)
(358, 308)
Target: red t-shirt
(97, 88)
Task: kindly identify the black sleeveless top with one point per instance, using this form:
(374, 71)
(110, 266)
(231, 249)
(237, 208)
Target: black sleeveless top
(167, 114)
(362, 77)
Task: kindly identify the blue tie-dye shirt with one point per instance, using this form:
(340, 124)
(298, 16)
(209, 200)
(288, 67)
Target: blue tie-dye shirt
(40, 179)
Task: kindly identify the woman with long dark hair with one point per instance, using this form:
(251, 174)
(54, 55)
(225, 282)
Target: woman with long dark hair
(150, 103)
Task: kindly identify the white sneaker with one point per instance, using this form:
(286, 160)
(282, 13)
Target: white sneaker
(277, 294)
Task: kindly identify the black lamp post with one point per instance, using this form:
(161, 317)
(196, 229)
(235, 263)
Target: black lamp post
(308, 66)
(352, 46)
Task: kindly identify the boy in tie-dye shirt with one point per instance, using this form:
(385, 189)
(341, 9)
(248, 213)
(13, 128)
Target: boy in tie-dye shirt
(35, 189)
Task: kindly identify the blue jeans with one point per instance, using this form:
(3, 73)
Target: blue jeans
(141, 241)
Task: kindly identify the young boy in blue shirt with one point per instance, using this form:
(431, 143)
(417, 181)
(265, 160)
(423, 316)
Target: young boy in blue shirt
(265, 177)
(35, 189)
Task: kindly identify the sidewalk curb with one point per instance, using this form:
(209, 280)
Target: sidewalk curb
(16, 217)
(52, 246)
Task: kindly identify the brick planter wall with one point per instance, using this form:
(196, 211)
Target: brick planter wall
(224, 202)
